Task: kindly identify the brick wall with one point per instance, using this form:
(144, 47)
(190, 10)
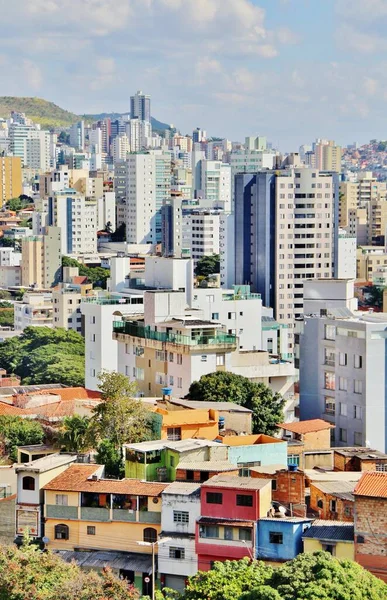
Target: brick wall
(290, 486)
(317, 440)
(371, 525)
(340, 514)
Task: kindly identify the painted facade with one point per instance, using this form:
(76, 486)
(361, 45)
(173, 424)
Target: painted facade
(280, 539)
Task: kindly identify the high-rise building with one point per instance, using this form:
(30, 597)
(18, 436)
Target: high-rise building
(199, 135)
(10, 178)
(42, 259)
(148, 186)
(139, 134)
(30, 144)
(140, 106)
(77, 135)
(120, 147)
(327, 156)
(285, 232)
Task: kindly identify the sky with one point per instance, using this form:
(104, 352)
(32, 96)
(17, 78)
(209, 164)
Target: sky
(292, 70)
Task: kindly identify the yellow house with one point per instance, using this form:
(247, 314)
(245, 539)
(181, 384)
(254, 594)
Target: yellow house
(336, 537)
(187, 424)
(86, 514)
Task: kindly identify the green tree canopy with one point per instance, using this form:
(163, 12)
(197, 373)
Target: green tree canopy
(15, 431)
(29, 574)
(109, 455)
(7, 316)
(96, 275)
(223, 386)
(208, 265)
(374, 295)
(17, 204)
(73, 436)
(44, 355)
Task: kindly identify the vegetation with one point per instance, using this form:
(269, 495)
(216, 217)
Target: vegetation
(224, 386)
(29, 574)
(73, 436)
(120, 419)
(44, 355)
(313, 576)
(208, 265)
(119, 235)
(48, 114)
(96, 275)
(6, 316)
(374, 296)
(15, 431)
(4, 295)
(17, 204)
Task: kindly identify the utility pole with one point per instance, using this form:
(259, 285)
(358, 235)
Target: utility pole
(153, 569)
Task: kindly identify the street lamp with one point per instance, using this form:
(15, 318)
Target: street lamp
(154, 544)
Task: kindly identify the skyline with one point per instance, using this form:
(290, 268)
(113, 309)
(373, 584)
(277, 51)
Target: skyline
(233, 67)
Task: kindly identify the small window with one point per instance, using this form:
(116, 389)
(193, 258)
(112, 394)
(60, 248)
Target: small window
(358, 438)
(61, 500)
(177, 553)
(276, 538)
(342, 434)
(347, 511)
(342, 359)
(358, 361)
(220, 360)
(358, 386)
(228, 533)
(332, 506)
(343, 409)
(180, 516)
(244, 500)
(28, 483)
(274, 485)
(245, 534)
(215, 316)
(174, 433)
(90, 530)
(61, 532)
(204, 358)
(150, 535)
(214, 498)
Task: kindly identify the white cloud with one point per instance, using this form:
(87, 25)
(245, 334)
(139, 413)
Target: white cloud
(362, 10)
(371, 86)
(354, 39)
(33, 74)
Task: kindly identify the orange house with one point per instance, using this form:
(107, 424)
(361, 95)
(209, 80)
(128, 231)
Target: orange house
(187, 424)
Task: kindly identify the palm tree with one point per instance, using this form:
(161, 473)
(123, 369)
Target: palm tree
(74, 434)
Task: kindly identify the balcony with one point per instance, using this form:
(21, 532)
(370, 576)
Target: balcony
(124, 515)
(55, 511)
(95, 514)
(148, 516)
(212, 338)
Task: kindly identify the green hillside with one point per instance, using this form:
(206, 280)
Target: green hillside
(46, 113)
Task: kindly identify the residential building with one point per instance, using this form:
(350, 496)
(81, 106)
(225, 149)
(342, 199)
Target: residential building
(285, 232)
(140, 106)
(120, 147)
(10, 276)
(35, 310)
(230, 509)
(199, 135)
(139, 134)
(177, 558)
(333, 500)
(42, 259)
(287, 486)
(10, 178)
(186, 424)
(371, 523)
(249, 451)
(349, 192)
(77, 135)
(328, 156)
(280, 538)
(227, 249)
(359, 459)
(368, 260)
(309, 443)
(343, 371)
(202, 233)
(345, 264)
(377, 221)
(9, 258)
(232, 416)
(84, 510)
(106, 211)
(335, 537)
(67, 300)
(31, 145)
(214, 183)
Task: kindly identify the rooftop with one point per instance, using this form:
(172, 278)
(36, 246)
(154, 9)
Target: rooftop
(317, 475)
(208, 465)
(309, 426)
(182, 488)
(51, 461)
(132, 561)
(330, 531)
(363, 453)
(286, 519)
(229, 481)
(341, 489)
(221, 406)
(179, 446)
(270, 469)
(77, 478)
(373, 485)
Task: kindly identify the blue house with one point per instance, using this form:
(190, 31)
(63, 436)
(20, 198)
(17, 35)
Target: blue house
(280, 539)
(260, 449)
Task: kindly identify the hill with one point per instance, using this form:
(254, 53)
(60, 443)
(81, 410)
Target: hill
(50, 115)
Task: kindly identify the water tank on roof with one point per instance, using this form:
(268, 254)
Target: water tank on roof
(292, 467)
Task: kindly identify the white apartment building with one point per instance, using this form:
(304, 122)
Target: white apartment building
(10, 276)
(139, 134)
(342, 361)
(31, 144)
(177, 558)
(35, 310)
(120, 147)
(345, 263)
(106, 211)
(9, 258)
(227, 249)
(67, 307)
(215, 183)
(203, 230)
(77, 218)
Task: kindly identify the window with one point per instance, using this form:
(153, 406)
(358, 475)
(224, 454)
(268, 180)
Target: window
(204, 358)
(343, 409)
(275, 537)
(61, 532)
(150, 535)
(161, 355)
(159, 378)
(180, 516)
(171, 358)
(329, 548)
(273, 485)
(348, 511)
(245, 534)
(343, 384)
(329, 357)
(231, 315)
(294, 459)
(215, 316)
(177, 553)
(174, 434)
(220, 360)
(357, 412)
(179, 359)
(357, 438)
(228, 533)
(244, 500)
(330, 332)
(330, 406)
(28, 483)
(342, 434)
(92, 337)
(209, 531)
(90, 530)
(332, 505)
(214, 498)
(357, 361)
(329, 381)
(358, 386)
(342, 359)
(61, 500)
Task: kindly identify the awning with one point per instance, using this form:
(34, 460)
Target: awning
(130, 561)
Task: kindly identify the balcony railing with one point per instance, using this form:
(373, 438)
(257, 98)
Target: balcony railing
(95, 514)
(210, 339)
(55, 511)
(120, 514)
(148, 516)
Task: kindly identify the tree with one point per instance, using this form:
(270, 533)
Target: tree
(120, 418)
(16, 204)
(119, 235)
(224, 386)
(95, 275)
(5, 304)
(29, 574)
(7, 317)
(374, 295)
(207, 265)
(74, 434)
(110, 456)
(15, 431)
(4, 295)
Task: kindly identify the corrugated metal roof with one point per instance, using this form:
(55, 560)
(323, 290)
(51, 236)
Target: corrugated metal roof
(315, 475)
(240, 483)
(330, 531)
(373, 485)
(130, 561)
(341, 489)
(182, 488)
(225, 406)
(208, 465)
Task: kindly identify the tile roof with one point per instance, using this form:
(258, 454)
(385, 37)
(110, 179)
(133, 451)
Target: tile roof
(242, 483)
(309, 426)
(9, 410)
(330, 531)
(373, 485)
(76, 479)
(70, 393)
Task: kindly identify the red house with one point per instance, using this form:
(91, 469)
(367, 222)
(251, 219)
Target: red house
(230, 509)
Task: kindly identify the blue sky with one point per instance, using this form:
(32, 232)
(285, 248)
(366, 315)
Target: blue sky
(292, 70)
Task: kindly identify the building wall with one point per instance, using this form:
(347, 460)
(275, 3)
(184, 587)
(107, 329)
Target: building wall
(344, 508)
(289, 485)
(10, 178)
(291, 542)
(266, 454)
(371, 525)
(343, 550)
